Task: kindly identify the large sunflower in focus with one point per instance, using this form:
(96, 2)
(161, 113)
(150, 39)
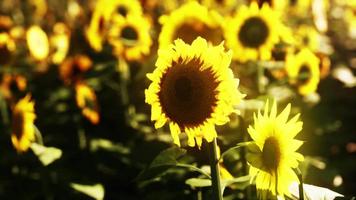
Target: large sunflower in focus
(272, 156)
(193, 89)
(23, 131)
(190, 21)
(252, 32)
(303, 70)
(130, 36)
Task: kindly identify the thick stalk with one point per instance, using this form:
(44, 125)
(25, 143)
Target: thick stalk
(215, 171)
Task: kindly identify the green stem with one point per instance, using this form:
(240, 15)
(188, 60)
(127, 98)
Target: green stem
(260, 73)
(215, 172)
(300, 177)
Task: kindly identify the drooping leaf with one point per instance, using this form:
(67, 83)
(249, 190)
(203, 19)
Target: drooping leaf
(312, 192)
(95, 191)
(46, 155)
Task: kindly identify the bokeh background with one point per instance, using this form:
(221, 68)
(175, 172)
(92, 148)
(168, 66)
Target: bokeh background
(101, 154)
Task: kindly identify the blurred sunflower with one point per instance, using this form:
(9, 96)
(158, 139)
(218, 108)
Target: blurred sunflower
(303, 70)
(130, 36)
(60, 42)
(252, 32)
(307, 36)
(39, 8)
(11, 83)
(5, 24)
(324, 64)
(72, 69)
(37, 42)
(23, 131)
(87, 102)
(273, 154)
(7, 48)
(190, 21)
(95, 32)
(350, 18)
(292, 7)
(193, 89)
(127, 7)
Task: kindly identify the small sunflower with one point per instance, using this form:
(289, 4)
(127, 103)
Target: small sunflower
(307, 36)
(37, 42)
(130, 37)
(87, 102)
(95, 32)
(303, 70)
(127, 7)
(273, 154)
(7, 48)
(190, 21)
(192, 89)
(23, 131)
(12, 83)
(72, 69)
(5, 24)
(60, 42)
(252, 32)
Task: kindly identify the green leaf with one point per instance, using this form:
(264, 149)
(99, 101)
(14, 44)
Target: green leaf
(95, 191)
(164, 161)
(46, 155)
(198, 182)
(104, 144)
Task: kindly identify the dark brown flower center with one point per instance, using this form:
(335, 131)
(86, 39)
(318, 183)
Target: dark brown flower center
(129, 33)
(253, 33)
(188, 94)
(18, 120)
(271, 154)
(122, 10)
(304, 74)
(189, 31)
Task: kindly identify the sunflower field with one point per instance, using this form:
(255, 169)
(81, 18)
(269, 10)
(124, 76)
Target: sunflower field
(178, 99)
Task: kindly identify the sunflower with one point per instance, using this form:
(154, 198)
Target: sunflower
(272, 154)
(72, 69)
(60, 42)
(23, 131)
(7, 48)
(95, 32)
(252, 32)
(5, 24)
(12, 83)
(37, 42)
(190, 21)
(307, 36)
(130, 36)
(225, 6)
(303, 70)
(86, 100)
(192, 89)
(127, 7)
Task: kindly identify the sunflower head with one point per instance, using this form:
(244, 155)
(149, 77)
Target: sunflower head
(303, 70)
(272, 154)
(72, 69)
(127, 7)
(193, 89)
(252, 32)
(190, 21)
(7, 48)
(12, 84)
(23, 131)
(60, 42)
(130, 36)
(87, 102)
(5, 24)
(307, 36)
(37, 42)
